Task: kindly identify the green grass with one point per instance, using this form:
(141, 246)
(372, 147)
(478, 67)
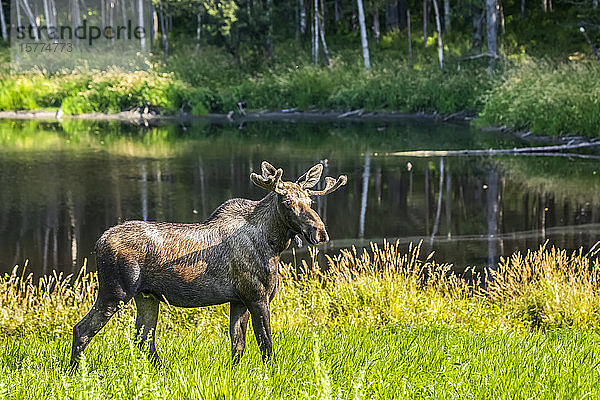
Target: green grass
(547, 97)
(380, 324)
(388, 362)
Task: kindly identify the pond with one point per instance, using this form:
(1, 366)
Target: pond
(63, 184)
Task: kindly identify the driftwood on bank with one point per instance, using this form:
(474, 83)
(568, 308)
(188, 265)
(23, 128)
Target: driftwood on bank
(475, 57)
(492, 152)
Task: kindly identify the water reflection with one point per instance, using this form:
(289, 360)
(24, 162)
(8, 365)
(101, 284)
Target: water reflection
(61, 186)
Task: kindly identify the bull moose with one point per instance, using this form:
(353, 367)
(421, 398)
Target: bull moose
(232, 257)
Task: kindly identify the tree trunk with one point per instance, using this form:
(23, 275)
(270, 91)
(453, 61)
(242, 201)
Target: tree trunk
(103, 13)
(111, 14)
(31, 18)
(3, 23)
(18, 13)
(141, 23)
(477, 38)
(302, 8)
(163, 29)
(425, 18)
(523, 8)
(501, 16)
(322, 33)
(402, 8)
(337, 10)
(447, 15)
(198, 28)
(124, 12)
(363, 34)
(376, 29)
(439, 29)
(391, 15)
(315, 33)
(410, 55)
(53, 12)
(492, 28)
(76, 17)
(155, 23)
(46, 15)
(297, 22)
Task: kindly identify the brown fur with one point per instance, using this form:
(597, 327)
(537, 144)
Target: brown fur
(232, 257)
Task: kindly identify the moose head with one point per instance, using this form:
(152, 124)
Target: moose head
(294, 199)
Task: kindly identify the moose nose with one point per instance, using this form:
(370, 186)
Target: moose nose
(322, 236)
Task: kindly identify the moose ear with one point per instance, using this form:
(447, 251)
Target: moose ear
(267, 169)
(310, 177)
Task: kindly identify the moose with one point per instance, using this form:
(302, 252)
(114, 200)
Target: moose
(232, 257)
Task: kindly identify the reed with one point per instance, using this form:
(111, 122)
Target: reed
(544, 288)
(381, 323)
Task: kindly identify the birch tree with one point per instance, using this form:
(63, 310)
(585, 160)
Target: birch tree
(3, 23)
(447, 15)
(198, 27)
(302, 8)
(31, 18)
(124, 12)
(141, 23)
(315, 33)
(163, 31)
(376, 28)
(492, 28)
(439, 29)
(47, 15)
(363, 34)
(322, 33)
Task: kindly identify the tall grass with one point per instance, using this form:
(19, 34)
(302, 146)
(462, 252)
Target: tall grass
(542, 289)
(109, 92)
(375, 324)
(548, 99)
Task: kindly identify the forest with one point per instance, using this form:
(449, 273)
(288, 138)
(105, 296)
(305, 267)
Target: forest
(530, 66)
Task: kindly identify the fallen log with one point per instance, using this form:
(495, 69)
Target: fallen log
(492, 152)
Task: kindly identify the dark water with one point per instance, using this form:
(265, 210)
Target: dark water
(62, 185)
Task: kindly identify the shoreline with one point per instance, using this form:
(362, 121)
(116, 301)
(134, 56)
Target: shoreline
(147, 118)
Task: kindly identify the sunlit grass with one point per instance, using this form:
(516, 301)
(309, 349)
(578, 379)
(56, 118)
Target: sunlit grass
(547, 99)
(378, 324)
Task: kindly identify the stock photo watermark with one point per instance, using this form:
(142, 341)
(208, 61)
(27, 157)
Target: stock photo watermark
(66, 35)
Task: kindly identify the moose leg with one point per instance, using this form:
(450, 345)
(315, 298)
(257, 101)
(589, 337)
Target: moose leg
(261, 324)
(238, 324)
(89, 326)
(145, 323)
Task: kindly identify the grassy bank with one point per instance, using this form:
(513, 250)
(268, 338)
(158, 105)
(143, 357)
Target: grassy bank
(380, 324)
(546, 97)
